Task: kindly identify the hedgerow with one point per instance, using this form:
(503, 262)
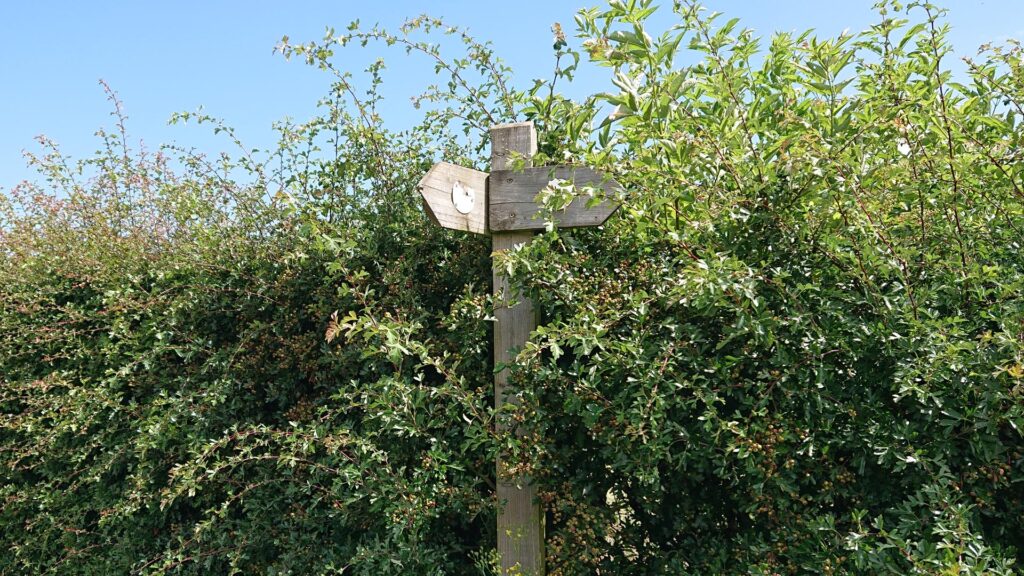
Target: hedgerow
(796, 347)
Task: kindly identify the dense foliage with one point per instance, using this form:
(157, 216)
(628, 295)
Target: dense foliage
(798, 347)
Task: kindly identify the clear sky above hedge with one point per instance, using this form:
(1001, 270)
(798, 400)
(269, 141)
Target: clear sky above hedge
(167, 57)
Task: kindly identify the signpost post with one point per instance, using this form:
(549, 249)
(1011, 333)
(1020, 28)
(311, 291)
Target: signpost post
(502, 204)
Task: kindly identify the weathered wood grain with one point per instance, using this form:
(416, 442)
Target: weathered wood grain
(512, 194)
(436, 188)
(520, 519)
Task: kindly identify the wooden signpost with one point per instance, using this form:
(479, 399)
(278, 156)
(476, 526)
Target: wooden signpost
(503, 205)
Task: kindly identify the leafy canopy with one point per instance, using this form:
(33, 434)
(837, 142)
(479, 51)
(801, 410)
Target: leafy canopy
(797, 347)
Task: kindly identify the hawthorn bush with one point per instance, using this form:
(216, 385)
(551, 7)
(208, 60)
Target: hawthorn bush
(796, 348)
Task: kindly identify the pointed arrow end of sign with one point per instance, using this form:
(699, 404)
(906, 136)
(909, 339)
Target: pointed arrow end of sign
(455, 197)
(513, 198)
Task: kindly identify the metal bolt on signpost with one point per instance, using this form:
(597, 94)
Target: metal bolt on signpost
(502, 204)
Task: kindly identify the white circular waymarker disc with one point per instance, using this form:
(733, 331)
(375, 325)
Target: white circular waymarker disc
(463, 197)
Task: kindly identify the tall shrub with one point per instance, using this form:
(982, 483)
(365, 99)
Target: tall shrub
(797, 347)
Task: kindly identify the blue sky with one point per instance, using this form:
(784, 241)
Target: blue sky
(163, 57)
